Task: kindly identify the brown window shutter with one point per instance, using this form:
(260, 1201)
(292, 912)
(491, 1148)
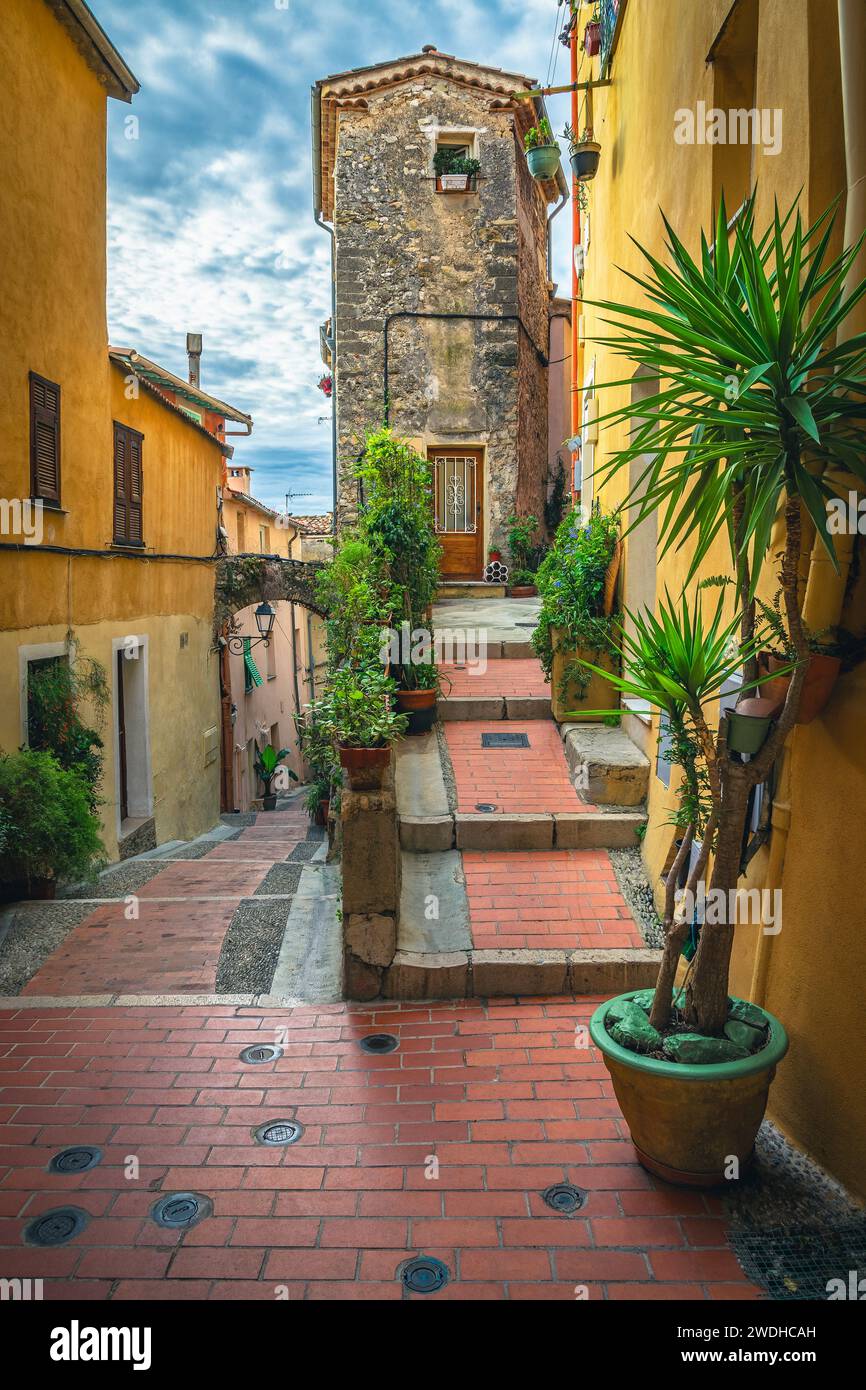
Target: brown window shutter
(127, 486)
(44, 439)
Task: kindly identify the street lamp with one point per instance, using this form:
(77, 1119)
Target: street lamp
(265, 618)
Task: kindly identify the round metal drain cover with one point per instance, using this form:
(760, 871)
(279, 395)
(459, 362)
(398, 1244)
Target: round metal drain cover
(178, 1210)
(278, 1132)
(379, 1043)
(76, 1160)
(424, 1275)
(485, 806)
(56, 1227)
(564, 1198)
(261, 1052)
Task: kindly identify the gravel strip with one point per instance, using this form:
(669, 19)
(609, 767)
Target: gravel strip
(447, 769)
(251, 947)
(784, 1190)
(32, 934)
(117, 881)
(282, 878)
(303, 852)
(197, 849)
(634, 886)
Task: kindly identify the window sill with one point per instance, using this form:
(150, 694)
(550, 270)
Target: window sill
(47, 506)
(640, 708)
(127, 545)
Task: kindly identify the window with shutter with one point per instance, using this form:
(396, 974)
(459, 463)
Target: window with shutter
(127, 486)
(44, 439)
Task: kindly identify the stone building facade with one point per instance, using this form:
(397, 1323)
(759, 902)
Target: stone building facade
(442, 298)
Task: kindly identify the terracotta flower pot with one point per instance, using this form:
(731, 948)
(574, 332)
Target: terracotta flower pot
(321, 816)
(494, 555)
(686, 1120)
(592, 39)
(421, 706)
(365, 767)
(522, 591)
(821, 676)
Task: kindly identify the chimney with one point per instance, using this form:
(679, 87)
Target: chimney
(193, 351)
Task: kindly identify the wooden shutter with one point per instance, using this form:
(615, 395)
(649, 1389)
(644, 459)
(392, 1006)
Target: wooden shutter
(44, 439)
(127, 486)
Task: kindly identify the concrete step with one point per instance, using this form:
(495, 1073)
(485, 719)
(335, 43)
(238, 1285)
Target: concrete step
(469, 589)
(614, 771)
(479, 974)
(490, 707)
(429, 834)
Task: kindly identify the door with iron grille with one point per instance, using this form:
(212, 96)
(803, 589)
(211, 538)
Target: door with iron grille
(458, 496)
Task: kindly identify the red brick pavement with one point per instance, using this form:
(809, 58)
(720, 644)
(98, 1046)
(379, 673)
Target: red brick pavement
(508, 677)
(553, 899)
(499, 1094)
(534, 779)
(169, 947)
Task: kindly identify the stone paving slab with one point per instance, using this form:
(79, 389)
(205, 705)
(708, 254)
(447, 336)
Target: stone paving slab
(504, 1094)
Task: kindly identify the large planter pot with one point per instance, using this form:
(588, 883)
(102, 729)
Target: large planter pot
(522, 591)
(821, 676)
(543, 161)
(365, 767)
(688, 1121)
(571, 697)
(269, 802)
(585, 158)
(421, 706)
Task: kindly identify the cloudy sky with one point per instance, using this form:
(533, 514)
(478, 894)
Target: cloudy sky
(210, 221)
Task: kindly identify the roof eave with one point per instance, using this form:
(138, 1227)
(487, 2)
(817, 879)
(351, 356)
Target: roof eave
(96, 48)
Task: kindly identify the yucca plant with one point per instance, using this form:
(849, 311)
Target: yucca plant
(759, 402)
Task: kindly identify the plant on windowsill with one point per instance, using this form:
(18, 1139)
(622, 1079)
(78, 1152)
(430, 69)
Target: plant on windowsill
(50, 832)
(768, 311)
(455, 171)
(577, 580)
(584, 153)
(542, 151)
(267, 763)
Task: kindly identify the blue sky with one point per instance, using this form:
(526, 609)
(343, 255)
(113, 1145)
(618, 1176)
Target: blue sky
(210, 221)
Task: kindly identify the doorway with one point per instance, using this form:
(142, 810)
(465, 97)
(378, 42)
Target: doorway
(133, 784)
(458, 499)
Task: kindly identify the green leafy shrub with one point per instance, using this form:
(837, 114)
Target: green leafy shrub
(571, 580)
(357, 709)
(521, 535)
(449, 160)
(50, 830)
(56, 690)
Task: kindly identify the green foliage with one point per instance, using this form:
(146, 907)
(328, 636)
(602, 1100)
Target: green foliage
(397, 519)
(50, 829)
(355, 590)
(760, 400)
(554, 507)
(317, 792)
(521, 536)
(267, 760)
(571, 580)
(317, 747)
(56, 690)
(449, 160)
(521, 577)
(541, 134)
(357, 709)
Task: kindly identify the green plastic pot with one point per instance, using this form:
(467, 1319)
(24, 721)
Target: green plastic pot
(747, 733)
(543, 161)
(687, 1121)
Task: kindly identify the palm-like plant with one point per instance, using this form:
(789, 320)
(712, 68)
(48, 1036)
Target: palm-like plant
(759, 404)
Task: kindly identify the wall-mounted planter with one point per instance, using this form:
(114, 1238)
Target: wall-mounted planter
(570, 696)
(454, 183)
(592, 39)
(749, 725)
(821, 676)
(543, 161)
(585, 158)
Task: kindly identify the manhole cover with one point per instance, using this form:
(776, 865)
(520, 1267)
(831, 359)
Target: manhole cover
(379, 1042)
(181, 1209)
(76, 1160)
(56, 1227)
(485, 806)
(277, 1132)
(505, 740)
(261, 1052)
(564, 1198)
(424, 1274)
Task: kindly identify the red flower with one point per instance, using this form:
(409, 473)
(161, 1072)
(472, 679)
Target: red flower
(326, 384)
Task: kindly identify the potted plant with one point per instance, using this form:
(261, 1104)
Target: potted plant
(418, 696)
(317, 801)
(779, 660)
(692, 1072)
(357, 711)
(542, 150)
(494, 555)
(522, 584)
(267, 762)
(522, 530)
(592, 34)
(584, 153)
(456, 172)
(50, 831)
(577, 579)
(749, 724)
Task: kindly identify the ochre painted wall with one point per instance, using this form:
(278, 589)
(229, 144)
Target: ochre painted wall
(818, 960)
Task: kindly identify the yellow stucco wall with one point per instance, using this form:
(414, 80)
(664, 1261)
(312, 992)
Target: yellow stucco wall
(52, 301)
(818, 959)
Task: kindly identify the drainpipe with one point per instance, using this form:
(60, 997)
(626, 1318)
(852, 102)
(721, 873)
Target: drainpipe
(825, 587)
(560, 205)
(316, 100)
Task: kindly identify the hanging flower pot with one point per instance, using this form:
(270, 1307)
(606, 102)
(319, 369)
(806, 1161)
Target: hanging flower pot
(585, 156)
(592, 39)
(543, 161)
(821, 676)
(749, 725)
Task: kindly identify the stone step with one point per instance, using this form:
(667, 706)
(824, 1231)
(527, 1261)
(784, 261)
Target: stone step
(614, 771)
(469, 589)
(490, 707)
(478, 974)
(429, 834)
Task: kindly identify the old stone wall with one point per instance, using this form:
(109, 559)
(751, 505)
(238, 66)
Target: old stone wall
(401, 246)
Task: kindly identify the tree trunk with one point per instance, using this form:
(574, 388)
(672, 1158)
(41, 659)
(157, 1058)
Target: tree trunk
(675, 935)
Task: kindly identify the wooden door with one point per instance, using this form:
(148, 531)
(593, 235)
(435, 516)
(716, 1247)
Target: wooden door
(458, 494)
